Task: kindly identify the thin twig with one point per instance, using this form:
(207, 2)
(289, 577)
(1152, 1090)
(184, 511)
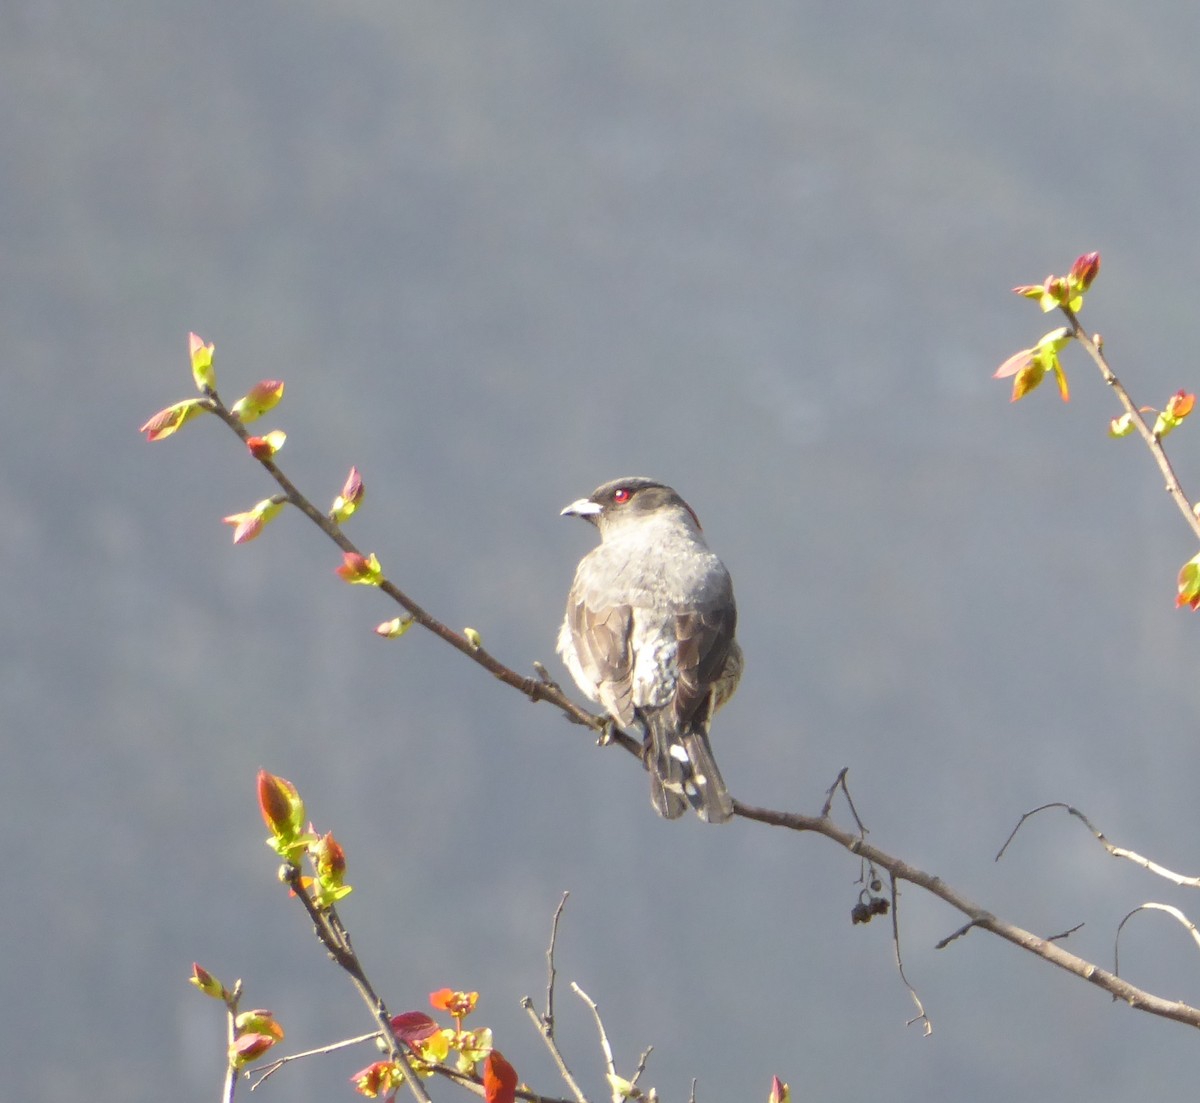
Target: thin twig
(964, 929)
(545, 1023)
(536, 689)
(335, 938)
(550, 971)
(980, 917)
(1174, 912)
(921, 1016)
(231, 1073)
(556, 1054)
(1065, 934)
(1116, 851)
(641, 1066)
(839, 782)
(609, 1066)
(1094, 349)
(273, 1067)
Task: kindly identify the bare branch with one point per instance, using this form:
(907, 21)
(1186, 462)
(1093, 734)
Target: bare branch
(964, 929)
(1116, 851)
(1064, 934)
(1094, 348)
(335, 938)
(609, 1067)
(545, 1023)
(641, 1066)
(539, 689)
(980, 917)
(273, 1067)
(231, 1007)
(550, 972)
(542, 688)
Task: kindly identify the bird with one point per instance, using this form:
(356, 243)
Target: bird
(649, 635)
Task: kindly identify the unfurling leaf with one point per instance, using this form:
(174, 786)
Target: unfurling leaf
(381, 1078)
(1029, 366)
(173, 418)
(1029, 378)
(263, 448)
(249, 525)
(207, 983)
(260, 1021)
(1084, 271)
(1013, 364)
(779, 1091)
(359, 571)
(281, 805)
(395, 628)
(1064, 291)
(1189, 584)
(621, 1088)
(473, 1047)
(1053, 291)
(258, 400)
(249, 1047)
(257, 1032)
(1121, 426)
(202, 363)
(1179, 405)
(348, 501)
(330, 861)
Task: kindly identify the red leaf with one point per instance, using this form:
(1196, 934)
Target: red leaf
(414, 1026)
(499, 1079)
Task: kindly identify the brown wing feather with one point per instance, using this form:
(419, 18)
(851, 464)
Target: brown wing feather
(704, 637)
(602, 643)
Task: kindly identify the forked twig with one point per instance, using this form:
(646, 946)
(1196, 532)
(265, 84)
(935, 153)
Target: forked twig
(545, 1023)
(273, 1067)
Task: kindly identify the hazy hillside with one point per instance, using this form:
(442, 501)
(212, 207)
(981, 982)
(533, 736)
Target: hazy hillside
(500, 252)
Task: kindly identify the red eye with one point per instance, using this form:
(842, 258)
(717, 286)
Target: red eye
(620, 495)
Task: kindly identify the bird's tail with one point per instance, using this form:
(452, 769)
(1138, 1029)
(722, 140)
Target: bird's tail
(682, 772)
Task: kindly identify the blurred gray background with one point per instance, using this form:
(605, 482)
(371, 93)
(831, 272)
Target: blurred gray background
(502, 251)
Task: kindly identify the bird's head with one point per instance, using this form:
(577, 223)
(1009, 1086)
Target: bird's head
(631, 501)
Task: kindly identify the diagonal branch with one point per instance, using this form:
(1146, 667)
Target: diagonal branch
(1094, 347)
(544, 689)
(536, 689)
(979, 916)
(336, 940)
(1133, 856)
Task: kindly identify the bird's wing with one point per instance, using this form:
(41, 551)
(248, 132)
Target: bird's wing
(703, 638)
(601, 638)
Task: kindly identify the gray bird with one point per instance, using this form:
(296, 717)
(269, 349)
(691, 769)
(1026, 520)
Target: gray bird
(649, 635)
